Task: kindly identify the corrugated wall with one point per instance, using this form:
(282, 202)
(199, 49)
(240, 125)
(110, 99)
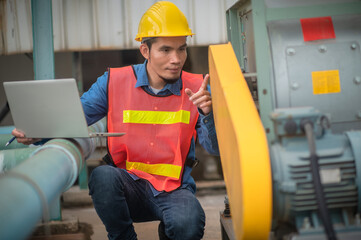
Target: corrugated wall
(83, 25)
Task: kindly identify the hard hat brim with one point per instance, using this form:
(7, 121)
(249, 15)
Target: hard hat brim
(139, 39)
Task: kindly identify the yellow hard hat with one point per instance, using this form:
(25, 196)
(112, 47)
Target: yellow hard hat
(163, 19)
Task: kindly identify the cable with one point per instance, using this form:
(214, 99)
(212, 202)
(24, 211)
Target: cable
(320, 197)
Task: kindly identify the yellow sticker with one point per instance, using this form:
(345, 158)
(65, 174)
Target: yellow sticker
(325, 82)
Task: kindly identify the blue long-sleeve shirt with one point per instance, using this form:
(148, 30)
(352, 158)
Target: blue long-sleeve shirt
(95, 105)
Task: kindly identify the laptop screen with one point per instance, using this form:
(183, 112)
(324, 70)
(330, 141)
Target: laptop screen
(47, 108)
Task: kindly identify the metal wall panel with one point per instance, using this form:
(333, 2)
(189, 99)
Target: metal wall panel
(85, 25)
(234, 3)
(208, 21)
(295, 60)
(297, 3)
(16, 29)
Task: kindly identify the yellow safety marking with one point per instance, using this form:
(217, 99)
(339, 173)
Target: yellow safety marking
(156, 117)
(167, 170)
(325, 82)
(243, 146)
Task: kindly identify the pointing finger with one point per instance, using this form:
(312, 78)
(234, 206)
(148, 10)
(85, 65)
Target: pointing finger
(205, 82)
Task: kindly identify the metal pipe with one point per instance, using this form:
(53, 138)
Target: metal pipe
(28, 189)
(4, 138)
(100, 126)
(6, 129)
(13, 157)
(16, 153)
(43, 46)
(33, 185)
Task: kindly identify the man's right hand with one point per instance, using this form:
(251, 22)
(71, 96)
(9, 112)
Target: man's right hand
(21, 138)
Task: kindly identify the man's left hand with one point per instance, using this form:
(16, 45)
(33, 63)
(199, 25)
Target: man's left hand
(202, 98)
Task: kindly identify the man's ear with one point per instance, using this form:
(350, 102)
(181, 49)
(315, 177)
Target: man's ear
(144, 50)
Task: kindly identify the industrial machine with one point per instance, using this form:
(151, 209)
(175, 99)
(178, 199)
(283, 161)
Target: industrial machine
(288, 119)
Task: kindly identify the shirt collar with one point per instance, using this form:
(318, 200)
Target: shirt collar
(142, 80)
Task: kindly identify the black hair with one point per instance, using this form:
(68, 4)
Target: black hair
(149, 42)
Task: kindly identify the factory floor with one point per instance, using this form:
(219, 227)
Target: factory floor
(210, 194)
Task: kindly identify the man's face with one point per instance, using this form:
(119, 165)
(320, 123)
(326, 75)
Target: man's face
(166, 58)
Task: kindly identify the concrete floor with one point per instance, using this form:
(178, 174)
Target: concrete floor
(210, 194)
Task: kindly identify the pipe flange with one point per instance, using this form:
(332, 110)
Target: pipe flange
(70, 156)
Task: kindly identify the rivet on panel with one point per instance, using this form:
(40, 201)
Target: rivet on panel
(322, 49)
(291, 51)
(353, 46)
(295, 86)
(357, 80)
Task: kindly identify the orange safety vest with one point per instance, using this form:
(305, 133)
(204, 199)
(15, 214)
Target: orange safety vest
(158, 129)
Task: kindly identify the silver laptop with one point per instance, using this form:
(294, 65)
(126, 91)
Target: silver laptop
(48, 109)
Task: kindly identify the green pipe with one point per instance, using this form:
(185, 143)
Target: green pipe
(16, 153)
(99, 126)
(43, 46)
(4, 138)
(13, 157)
(6, 129)
(34, 184)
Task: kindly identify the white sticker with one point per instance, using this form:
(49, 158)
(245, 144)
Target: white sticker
(330, 175)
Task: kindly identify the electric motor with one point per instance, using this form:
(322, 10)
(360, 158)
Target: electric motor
(294, 195)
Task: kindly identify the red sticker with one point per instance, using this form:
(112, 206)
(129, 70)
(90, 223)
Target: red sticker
(317, 28)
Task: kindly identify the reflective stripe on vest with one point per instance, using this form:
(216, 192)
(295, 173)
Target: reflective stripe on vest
(166, 170)
(158, 130)
(156, 117)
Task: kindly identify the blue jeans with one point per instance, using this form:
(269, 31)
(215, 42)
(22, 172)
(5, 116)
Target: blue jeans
(119, 201)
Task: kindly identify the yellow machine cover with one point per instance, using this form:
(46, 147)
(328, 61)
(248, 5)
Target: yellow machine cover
(243, 146)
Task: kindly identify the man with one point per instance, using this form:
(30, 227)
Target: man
(159, 106)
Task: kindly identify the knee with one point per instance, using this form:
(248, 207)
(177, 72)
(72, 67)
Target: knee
(102, 174)
(102, 179)
(188, 226)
